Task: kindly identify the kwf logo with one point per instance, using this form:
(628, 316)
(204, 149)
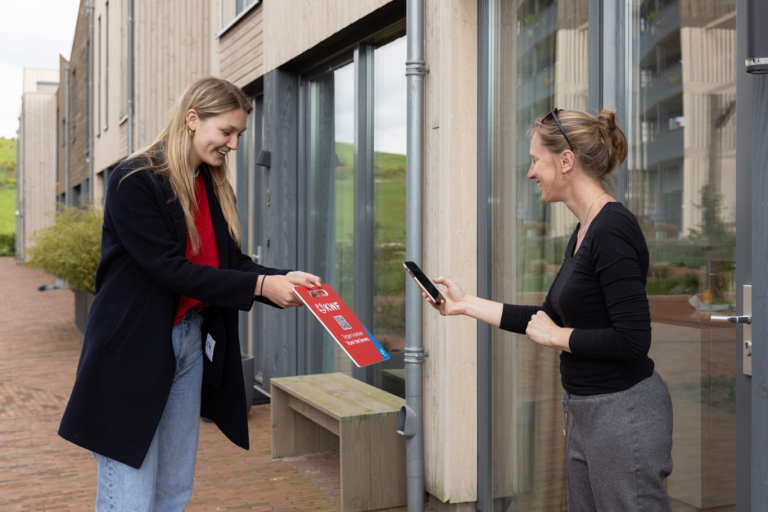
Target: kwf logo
(325, 308)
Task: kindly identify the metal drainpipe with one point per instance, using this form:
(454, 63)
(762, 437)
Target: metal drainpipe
(90, 7)
(66, 134)
(129, 88)
(411, 418)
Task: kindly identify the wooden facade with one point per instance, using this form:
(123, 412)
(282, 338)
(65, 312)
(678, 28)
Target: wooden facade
(450, 247)
(77, 124)
(173, 49)
(63, 124)
(37, 153)
(241, 49)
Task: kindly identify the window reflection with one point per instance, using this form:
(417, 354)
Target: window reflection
(389, 140)
(681, 186)
(680, 183)
(332, 176)
(541, 64)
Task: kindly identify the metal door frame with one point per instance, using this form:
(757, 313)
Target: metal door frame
(607, 87)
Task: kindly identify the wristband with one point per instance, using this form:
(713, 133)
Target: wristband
(261, 291)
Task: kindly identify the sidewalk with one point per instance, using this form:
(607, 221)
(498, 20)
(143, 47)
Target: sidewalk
(40, 347)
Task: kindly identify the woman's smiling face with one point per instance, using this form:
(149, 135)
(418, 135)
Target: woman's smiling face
(215, 136)
(543, 169)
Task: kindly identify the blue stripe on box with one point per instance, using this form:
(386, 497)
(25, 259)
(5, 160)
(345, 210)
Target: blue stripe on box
(383, 352)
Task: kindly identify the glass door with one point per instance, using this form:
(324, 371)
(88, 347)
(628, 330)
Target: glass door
(679, 114)
(681, 185)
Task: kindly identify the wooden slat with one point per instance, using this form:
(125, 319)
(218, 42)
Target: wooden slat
(242, 64)
(283, 425)
(340, 396)
(251, 44)
(319, 417)
(308, 23)
(355, 455)
(388, 477)
(251, 24)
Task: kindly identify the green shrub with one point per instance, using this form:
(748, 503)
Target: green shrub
(71, 248)
(7, 244)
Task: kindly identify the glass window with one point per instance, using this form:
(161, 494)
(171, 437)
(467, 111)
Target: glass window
(242, 4)
(681, 185)
(540, 62)
(389, 142)
(331, 203)
(337, 172)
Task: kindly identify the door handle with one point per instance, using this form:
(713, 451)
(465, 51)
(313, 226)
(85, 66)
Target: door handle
(744, 319)
(257, 257)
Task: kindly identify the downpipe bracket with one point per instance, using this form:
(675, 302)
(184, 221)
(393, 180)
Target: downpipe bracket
(415, 355)
(407, 422)
(416, 67)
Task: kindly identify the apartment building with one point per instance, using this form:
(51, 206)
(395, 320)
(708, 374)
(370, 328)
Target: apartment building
(36, 161)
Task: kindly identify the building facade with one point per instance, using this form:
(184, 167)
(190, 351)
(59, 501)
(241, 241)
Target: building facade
(36, 162)
(328, 86)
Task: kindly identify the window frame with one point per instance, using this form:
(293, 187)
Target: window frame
(361, 56)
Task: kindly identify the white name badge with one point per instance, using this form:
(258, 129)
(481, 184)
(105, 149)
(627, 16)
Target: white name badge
(210, 344)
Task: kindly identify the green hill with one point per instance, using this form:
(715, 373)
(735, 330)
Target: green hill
(386, 165)
(7, 186)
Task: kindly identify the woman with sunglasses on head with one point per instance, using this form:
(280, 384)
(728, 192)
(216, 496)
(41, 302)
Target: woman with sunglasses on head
(161, 346)
(619, 448)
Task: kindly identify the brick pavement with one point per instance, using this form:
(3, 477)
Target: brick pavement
(40, 347)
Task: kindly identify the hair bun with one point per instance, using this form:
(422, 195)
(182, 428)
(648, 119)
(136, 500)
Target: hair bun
(613, 136)
(607, 122)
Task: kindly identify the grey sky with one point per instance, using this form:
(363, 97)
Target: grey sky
(391, 97)
(32, 35)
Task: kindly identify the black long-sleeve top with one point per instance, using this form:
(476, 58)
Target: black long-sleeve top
(600, 293)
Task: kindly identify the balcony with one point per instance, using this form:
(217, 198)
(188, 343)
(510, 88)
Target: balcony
(536, 89)
(669, 145)
(664, 86)
(535, 29)
(664, 23)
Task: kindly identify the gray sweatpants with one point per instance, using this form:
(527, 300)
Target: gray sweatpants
(620, 449)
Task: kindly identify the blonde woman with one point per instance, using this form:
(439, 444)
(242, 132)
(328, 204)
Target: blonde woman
(161, 346)
(596, 313)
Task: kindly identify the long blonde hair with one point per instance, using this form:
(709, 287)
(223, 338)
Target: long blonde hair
(168, 155)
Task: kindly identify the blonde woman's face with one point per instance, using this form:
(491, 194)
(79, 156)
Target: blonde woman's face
(215, 136)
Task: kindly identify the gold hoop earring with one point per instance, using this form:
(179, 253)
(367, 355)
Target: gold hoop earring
(190, 132)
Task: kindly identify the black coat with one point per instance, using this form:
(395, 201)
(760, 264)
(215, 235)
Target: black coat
(127, 362)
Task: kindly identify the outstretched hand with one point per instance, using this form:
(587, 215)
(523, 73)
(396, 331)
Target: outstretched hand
(279, 289)
(454, 303)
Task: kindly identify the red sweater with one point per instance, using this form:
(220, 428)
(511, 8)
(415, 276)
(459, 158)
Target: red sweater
(208, 253)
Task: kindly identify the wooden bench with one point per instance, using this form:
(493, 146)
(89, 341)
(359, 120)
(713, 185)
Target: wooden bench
(315, 413)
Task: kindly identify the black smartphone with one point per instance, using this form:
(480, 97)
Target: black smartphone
(424, 283)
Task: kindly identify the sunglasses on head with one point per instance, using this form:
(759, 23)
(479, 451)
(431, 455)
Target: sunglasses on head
(553, 115)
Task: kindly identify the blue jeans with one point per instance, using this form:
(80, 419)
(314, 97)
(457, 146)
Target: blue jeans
(164, 481)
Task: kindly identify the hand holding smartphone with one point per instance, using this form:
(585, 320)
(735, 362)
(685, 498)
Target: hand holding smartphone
(423, 281)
